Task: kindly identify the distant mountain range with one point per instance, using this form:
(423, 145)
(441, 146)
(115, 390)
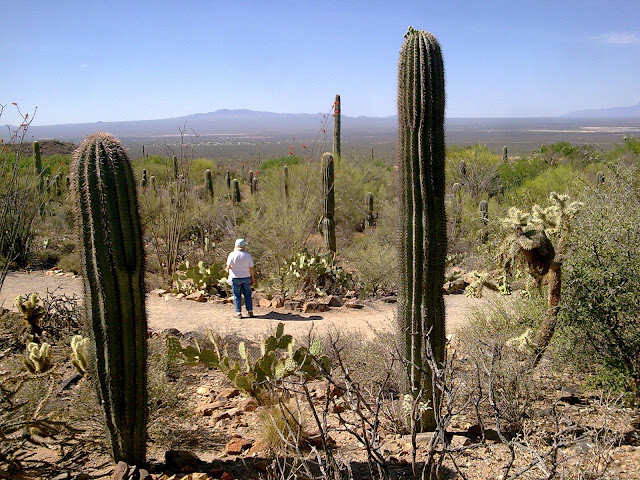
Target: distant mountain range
(616, 112)
(249, 123)
(222, 123)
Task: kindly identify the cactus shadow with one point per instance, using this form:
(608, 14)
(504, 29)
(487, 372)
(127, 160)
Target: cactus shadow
(289, 317)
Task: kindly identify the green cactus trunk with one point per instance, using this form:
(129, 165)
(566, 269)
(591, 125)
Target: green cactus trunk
(37, 159)
(208, 183)
(235, 194)
(285, 182)
(422, 232)
(228, 180)
(368, 202)
(483, 207)
(336, 126)
(327, 223)
(103, 189)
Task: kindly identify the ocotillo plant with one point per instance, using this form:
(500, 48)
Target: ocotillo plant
(103, 190)
(327, 223)
(505, 156)
(235, 193)
(422, 235)
(208, 182)
(336, 126)
(370, 220)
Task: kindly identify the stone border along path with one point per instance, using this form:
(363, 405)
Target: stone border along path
(186, 315)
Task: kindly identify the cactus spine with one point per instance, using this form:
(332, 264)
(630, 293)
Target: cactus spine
(208, 182)
(235, 194)
(327, 223)
(336, 126)
(370, 220)
(108, 225)
(422, 235)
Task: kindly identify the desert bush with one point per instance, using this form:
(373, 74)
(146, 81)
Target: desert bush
(602, 284)
(480, 173)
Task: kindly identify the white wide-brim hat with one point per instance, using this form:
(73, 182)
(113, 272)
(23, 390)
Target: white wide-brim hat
(241, 242)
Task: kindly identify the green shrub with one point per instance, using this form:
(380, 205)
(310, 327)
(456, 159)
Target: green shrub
(602, 285)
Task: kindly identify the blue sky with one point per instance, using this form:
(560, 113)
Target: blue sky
(85, 61)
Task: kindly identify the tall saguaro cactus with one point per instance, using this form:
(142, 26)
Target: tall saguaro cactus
(327, 223)
(336, 126)
(208, 183)
(422, 229)
(103, 189)
(37, 159)
(235, 191)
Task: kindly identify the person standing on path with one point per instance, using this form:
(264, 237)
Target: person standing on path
(241, 277)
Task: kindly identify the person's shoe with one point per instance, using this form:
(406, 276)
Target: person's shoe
(251, 314)
(238, 315)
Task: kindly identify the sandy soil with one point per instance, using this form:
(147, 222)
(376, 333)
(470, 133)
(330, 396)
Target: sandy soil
(188, 316)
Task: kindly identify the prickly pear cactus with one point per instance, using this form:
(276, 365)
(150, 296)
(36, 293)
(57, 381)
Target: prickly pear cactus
(103, 190)
(422, 236)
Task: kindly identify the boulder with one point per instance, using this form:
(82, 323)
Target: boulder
(314, 307)
(265, 303)
(353, 304)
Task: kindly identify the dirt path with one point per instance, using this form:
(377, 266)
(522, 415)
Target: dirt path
(188, 316)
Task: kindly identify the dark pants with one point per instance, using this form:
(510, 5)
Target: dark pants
(242, 286)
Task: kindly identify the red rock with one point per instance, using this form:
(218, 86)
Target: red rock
(237, 446)
(228, 393)
(248, 404)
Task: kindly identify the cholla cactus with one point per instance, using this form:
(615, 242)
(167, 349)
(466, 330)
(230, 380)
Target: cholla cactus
(38, 358)
(530, 241)
(30, 309)
(80, 353)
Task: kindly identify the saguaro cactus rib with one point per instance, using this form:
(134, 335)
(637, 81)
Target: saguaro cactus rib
(104, 192)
